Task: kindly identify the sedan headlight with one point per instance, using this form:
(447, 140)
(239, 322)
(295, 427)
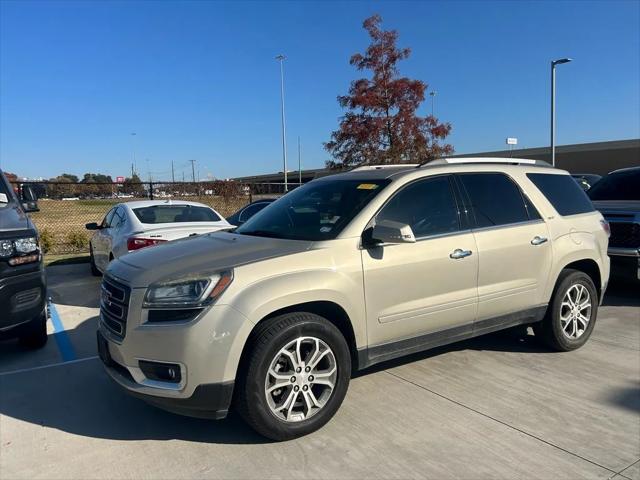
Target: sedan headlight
(191, 292)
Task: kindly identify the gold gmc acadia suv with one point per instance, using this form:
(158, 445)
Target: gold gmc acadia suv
(347, 271)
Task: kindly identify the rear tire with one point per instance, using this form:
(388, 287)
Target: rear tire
(34, 335)
(94, 270)
(278, 393)
(571, 314)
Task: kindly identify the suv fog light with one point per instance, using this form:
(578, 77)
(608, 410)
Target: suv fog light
(161, 372)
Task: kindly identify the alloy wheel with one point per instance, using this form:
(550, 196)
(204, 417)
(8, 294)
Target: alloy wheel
(575, 311)
(301, 378)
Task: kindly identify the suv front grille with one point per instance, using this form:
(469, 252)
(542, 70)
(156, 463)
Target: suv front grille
(114, 306)
(624, 235)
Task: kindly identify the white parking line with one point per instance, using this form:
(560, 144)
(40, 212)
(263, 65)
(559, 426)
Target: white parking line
(41, 367)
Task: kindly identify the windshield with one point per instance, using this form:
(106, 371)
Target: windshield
(5, 193)
(316, 211)
(617, 186)
(175, 214)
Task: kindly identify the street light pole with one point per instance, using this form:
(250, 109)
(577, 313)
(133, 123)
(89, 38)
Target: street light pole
(432, 94)
(281, 59)
(553, 106)
(299, 164)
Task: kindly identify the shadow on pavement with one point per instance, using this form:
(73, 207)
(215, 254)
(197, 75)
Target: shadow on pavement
(73, 285)
(627, 398)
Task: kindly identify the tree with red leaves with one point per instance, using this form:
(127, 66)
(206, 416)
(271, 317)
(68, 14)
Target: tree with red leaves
(382, 125)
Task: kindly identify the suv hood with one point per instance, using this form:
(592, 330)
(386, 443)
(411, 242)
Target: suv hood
(205, 253)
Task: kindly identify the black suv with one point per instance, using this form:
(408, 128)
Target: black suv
(23, 312)
(617, 196)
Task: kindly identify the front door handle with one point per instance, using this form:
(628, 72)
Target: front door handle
(538, 240)
(459, 253)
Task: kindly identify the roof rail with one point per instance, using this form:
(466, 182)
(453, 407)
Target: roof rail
(382, 167)
(503, 160)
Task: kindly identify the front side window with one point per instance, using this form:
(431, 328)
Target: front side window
(495, 199)
(106, 222)
(118, 218)
(175, 214)
(563, 192)
(316, 211)
(427, 206)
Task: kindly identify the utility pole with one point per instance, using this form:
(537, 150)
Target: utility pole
(553, 106)
(173, 176)
(193, 170)
(133, 152)
(299, 163)
(132, 172)
(281, 58)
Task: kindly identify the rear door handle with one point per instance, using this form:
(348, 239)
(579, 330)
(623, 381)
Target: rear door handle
(538, 240)
(459, 253)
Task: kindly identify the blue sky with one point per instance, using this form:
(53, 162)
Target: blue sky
(198, 80)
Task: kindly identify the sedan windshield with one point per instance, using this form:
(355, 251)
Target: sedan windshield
(175, 214)
(316, 211)
(617, 186)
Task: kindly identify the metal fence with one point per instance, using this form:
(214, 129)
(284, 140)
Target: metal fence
(65, 207)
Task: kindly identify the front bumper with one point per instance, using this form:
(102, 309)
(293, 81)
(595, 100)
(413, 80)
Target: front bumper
(206, 350)
(207, 400)
(22, 298)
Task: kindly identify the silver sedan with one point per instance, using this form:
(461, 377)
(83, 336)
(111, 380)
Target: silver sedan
(134, 225)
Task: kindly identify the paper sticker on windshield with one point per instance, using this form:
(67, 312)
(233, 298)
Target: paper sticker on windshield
(367, 186)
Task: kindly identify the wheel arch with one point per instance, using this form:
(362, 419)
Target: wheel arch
(329, 310)
(588, 266)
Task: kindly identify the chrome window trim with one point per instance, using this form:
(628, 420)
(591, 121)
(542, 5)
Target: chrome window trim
(507, 225)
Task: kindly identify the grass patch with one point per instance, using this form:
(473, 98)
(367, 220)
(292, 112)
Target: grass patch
(70, 259)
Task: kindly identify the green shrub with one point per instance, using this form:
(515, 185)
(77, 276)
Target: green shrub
(77, 240)
(46, 240)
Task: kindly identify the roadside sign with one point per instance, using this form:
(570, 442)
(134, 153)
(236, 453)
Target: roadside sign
(119, 179)
(512, 141)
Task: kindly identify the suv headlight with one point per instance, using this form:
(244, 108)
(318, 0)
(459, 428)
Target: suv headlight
(20, 250)
(192, 292)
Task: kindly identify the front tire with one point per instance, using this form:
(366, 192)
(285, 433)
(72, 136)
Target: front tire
(571, 315)
(295, 376)
(94, 270)
(34, 335)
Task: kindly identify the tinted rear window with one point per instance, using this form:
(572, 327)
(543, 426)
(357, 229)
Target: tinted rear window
(495, 199)
(617, 186)
(563, 192)
(175, 214)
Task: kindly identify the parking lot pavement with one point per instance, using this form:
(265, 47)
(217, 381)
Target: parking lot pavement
(498, 406)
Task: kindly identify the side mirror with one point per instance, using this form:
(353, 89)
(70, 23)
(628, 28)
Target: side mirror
(29, 200)
(388, 231)
(92, 226)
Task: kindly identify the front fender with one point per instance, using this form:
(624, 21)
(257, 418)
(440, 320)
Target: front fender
(274, 293)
